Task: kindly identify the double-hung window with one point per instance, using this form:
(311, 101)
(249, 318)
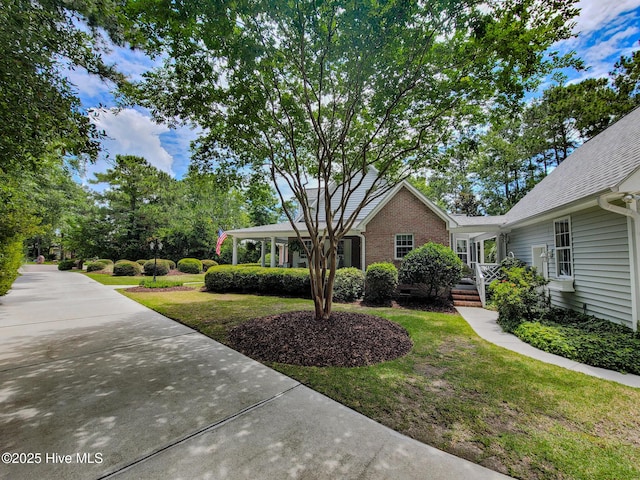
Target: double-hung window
(309, 245)
(404, 244)
(562, 236)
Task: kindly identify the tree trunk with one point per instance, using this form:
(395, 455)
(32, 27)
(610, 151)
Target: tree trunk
(322, 280)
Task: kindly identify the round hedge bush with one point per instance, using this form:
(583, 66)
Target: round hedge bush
(105, 260)
(207, 264)
(66, 264)
(97, 266)
(126, 268)
(380, 283)
(162, 267)
(219, 280)
(348, 285)
(190, 265)
(434, 267)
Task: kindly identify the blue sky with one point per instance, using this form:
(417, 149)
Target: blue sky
(607, 29)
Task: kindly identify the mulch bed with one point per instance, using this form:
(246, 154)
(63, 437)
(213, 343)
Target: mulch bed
(165, 289)
(346, 340)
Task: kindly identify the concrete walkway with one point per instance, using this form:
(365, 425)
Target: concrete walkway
(484, 324)
(94, 385)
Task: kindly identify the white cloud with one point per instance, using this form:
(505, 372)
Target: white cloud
(131, 132)
(595, 14)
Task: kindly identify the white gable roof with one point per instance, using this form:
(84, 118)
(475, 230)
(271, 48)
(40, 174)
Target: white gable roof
(596, 167)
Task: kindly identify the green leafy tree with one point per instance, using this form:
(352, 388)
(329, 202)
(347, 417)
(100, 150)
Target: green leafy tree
(42, 122)
(139, 200)
(321, 92)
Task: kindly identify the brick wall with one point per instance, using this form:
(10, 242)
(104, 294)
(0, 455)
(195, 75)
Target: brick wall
(404, 213)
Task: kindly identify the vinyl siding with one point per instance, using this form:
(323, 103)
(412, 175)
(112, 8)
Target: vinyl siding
(600, 252)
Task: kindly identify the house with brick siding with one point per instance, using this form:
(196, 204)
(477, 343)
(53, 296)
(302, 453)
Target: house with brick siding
(385, 230)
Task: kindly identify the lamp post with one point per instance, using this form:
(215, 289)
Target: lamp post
(155, 246)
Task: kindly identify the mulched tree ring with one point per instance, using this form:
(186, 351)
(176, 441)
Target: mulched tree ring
(346, 340)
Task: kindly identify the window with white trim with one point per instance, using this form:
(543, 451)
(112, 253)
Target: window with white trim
(562, 239)
(461, 250)
(309, 245)
(404, 244)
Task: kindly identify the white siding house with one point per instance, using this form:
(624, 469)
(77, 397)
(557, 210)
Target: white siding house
(580, 226)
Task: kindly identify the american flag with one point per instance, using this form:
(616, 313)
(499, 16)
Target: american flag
(222, 236)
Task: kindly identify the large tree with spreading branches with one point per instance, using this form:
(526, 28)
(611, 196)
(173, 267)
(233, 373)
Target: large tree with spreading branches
(320, 92)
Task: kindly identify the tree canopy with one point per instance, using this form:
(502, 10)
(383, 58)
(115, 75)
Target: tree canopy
(321, 92)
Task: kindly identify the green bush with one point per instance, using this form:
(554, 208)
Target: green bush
(585, 339)
(97, 266)
(254, 279)
(105, 260)
(380, 283)
(297, 283)
(149, 283)
(348, 285)
(545, 338)
(162, 267)
(190, 265)
(10, 261)
(126, 268)
(207, 264)
(434, 267)
(219, 280)
(141, 262)
(66, 264)
(518, 297)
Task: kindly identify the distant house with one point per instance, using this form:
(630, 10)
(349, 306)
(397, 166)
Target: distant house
(385, 230)
(580, 226)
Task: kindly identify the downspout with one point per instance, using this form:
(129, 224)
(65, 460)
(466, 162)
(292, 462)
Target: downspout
(633, 228)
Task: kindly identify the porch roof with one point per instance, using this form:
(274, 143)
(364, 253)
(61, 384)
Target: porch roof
(477, 224)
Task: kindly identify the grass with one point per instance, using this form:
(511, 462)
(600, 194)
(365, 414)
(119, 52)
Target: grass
(107, 279)
(458, 393)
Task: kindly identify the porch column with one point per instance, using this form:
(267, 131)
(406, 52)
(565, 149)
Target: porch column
(262, 252)
(273, 252)
(234, 257)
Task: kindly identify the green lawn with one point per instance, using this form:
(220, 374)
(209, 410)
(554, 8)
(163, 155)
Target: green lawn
(108, 279)
(458, 393)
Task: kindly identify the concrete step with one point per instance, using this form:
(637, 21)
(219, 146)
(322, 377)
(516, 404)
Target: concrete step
(466, 303)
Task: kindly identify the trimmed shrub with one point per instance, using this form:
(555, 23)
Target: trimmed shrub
(190, 265)
(219, 280)
(141, 262)
(105, 260)
(380, 283)
(97, 266)
(349, 285)
(10, 261)
(435, 268)
(162, 267)
(297, 282)
(126, 268)
(207, 264)
(66, 264)
(254, 279)
(518, 297)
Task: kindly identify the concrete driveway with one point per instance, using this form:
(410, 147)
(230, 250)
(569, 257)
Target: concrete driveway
(94, 385)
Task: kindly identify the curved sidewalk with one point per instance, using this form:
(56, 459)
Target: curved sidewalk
(484, 324)
(93, 385)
